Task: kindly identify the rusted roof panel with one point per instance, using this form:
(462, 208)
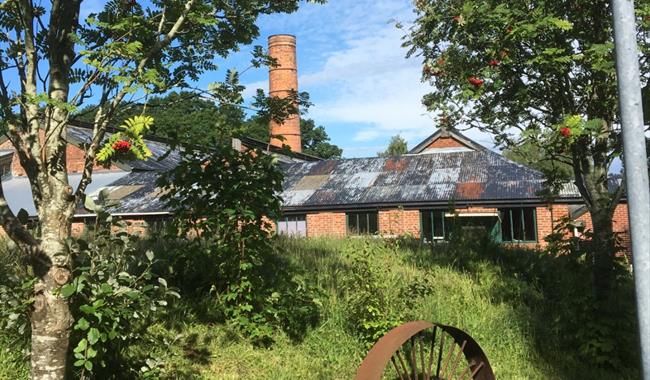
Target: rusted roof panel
(436, 177)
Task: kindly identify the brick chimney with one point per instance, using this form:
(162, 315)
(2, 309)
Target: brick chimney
(282, 80)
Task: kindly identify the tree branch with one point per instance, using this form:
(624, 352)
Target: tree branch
(102, 118)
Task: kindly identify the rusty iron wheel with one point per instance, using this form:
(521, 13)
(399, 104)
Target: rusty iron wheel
(423, 350)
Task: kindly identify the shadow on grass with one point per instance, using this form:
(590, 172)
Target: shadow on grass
(207, 278)
(571, 332)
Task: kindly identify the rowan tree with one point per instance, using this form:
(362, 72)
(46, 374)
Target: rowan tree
(540, 73)
(52, 63)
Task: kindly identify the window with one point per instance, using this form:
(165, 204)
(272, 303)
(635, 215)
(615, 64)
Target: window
(362, 223)
(157, 225)
(518, 224)
(433, 224)
(292, 225)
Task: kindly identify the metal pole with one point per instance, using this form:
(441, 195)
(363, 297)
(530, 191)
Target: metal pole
(636, 164)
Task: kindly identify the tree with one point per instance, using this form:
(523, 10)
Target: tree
(184, 116)
(315, 140)
(532, 155)
(539, 73)
(396, 147)
(59, 62)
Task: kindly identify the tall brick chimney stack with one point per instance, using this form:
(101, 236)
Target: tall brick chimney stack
(282, 80)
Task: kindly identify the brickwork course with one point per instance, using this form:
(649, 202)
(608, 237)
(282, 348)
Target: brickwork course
(283, 79)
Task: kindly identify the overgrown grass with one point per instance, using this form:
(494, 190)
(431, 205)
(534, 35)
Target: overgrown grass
(508, 300)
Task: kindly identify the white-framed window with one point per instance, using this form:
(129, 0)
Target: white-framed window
(292, 225)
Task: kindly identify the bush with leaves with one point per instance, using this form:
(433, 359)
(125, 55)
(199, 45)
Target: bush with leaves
(114, 296)
(598, 333)
(367, 308)
(223, 202)
(16, 288)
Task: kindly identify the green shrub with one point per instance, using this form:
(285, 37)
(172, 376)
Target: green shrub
(114, 298)
(230, 255)
(16, 285)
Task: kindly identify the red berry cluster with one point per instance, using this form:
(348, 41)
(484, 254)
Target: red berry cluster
(494, 62)
(122, 146)
(564, 131)
(476, 82)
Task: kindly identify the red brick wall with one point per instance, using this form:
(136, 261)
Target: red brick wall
(620, 225)
(399, 222)
(133, 226)
(547, 219)
(326, 224)
(445, 142)
(74, 159)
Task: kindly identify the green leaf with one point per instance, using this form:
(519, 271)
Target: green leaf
(91, 353)
(81, 346)
(562, 24)
(82, 324)
(93, 336)
(68, 289)
(162, 281)
(88, 365)
(149, 255)
(105, 288)
(87, 309)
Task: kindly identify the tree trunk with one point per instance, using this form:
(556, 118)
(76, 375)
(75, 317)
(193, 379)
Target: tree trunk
(51, 318)
(604, 250)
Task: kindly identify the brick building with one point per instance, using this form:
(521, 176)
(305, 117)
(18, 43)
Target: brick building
(446, 182)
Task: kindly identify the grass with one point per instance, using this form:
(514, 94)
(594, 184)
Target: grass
(503, 304)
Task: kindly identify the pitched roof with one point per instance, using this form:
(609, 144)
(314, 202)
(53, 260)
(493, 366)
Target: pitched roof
(18, 191)
(462, 143)
(479, 176)
(134, 186)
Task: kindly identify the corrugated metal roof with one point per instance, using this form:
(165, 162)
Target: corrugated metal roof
(19, 193)
(448, 175)
(143, 196)
(458, 176)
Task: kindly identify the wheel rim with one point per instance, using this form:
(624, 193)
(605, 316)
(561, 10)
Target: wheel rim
(424, 350)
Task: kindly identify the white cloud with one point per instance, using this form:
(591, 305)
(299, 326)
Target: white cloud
(363, 87)
(372, 84)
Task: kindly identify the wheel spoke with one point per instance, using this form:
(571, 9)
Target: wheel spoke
(424, 364)
(458, 357)
(478, 368)
(399, 357)
(397, 370)
(414, 363)
(442, 345)
(433, 346)
(452, 348)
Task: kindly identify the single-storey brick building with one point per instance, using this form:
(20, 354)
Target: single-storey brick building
(446, 182)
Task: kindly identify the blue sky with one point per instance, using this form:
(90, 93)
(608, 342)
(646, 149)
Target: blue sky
(351, 62)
